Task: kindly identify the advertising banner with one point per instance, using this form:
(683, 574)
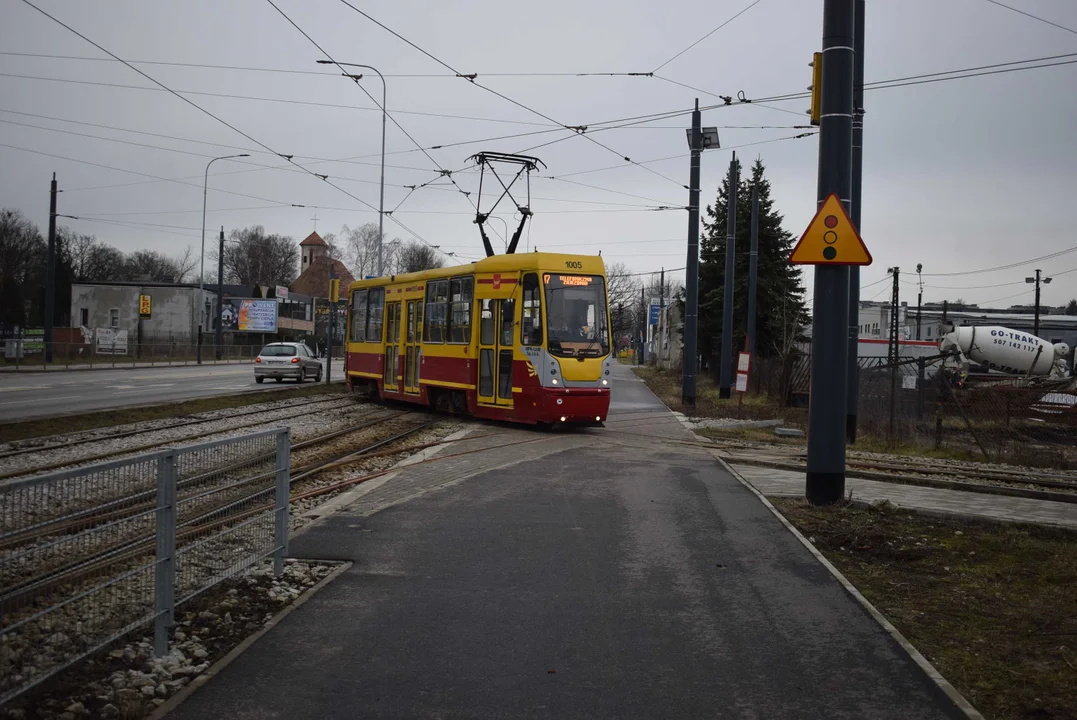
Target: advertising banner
(145, 305)
(247, 315)
(110, 341)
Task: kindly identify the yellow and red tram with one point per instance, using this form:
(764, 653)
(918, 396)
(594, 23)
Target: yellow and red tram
(523, 338)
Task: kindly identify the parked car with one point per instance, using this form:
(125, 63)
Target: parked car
(286, 360)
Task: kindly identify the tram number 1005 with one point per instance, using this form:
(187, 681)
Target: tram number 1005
(574, 264)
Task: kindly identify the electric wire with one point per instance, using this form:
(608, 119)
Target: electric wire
(697, 42)
(288, 158)
(1034, 17)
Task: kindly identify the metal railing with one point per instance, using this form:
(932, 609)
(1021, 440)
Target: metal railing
(90, 554)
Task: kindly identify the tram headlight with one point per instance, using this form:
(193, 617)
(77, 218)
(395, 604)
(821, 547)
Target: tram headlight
(605, 381)
(554, 381)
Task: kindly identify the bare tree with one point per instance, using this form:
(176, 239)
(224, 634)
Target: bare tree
(158, 267)
(22, 260)
(414, 256)
(359, 249)
(254, 258)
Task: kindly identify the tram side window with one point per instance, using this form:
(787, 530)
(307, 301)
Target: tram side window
(531, 324)
(460, 294)
(437, 301)
(375, 311)
(359, 305)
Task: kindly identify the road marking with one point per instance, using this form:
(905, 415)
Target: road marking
(28, 387)
(37, 400)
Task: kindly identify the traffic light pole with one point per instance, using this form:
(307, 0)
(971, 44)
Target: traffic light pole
(329, 326)
(825, 477)
(725, 375)
(691, 285)
(853, 376)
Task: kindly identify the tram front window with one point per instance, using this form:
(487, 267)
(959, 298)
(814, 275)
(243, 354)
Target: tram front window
(576, 315)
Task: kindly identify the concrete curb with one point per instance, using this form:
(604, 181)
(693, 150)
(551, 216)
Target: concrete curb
(347, 497)
(179, 698)
(927, 482)
(943, 684)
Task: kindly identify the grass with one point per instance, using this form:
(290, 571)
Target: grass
(667, 386)
(991, 606)
(26, 429)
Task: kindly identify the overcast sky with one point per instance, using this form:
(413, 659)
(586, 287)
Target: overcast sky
(959, 176)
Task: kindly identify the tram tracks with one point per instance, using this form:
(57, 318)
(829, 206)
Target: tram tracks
(135, 449)
(125, 549)
(943, 474)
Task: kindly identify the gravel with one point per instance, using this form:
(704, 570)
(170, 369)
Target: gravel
(129, 682)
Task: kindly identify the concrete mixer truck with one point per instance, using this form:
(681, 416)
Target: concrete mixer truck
(1009, 351)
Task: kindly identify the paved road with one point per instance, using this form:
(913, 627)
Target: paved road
(601, 573)
(31, 395)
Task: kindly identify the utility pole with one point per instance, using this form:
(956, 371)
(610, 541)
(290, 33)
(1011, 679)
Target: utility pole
(1037, 280)
(50, 272)
(753, 272)
(853, 374)
(725, 375)
(329, 325)
(691, 282)
(894, 349)
(661, 313)
(642, 324)
(220, 294)
(919, 297)
(827, 413)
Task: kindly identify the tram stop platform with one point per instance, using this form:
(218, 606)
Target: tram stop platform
(602, 573)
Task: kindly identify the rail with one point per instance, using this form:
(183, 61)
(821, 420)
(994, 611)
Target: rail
(90, 554)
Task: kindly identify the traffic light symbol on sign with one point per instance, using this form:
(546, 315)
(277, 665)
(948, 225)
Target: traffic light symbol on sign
(830, 239)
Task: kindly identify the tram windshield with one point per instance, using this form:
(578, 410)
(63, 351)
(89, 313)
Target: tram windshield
(576, 315)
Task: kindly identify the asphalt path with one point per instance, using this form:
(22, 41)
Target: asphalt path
(25, 396)
(605, 573)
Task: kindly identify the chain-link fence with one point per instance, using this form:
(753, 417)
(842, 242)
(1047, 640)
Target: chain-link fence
(90, 554)
(918, 402)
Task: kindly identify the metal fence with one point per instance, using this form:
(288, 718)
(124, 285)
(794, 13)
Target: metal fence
(25, 355)
(918, 402)
(88, 555)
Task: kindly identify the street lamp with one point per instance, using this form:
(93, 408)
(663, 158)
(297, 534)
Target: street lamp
(384, 113)
(202, 257)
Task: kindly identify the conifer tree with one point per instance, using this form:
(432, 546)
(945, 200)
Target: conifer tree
(780, 309)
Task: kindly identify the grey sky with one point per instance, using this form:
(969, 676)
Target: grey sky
(958, 175)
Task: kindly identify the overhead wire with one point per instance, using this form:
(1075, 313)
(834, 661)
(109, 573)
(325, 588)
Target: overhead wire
(697, 42)
(471, 78)
(1034, 17)
(190, 102)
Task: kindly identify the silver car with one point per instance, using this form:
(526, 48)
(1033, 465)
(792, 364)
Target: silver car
(286, 360)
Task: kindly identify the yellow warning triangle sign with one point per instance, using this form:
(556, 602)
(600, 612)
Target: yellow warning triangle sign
(831, 239)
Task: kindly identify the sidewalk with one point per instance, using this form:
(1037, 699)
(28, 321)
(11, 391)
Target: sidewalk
(945, 502)
(568, 575)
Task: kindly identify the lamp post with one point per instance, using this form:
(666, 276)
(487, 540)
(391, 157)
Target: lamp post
(1037, 280)
(202, 256)
(384, 113)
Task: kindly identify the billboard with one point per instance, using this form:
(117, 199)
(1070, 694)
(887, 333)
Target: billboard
(247, 315)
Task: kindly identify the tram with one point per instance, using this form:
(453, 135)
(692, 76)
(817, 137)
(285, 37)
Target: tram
(518, 337)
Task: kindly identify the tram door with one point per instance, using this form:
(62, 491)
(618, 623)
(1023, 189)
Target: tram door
(495, 351)
(390, 373)
(412, 348)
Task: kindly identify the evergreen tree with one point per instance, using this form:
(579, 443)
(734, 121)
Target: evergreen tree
(780, 309)
(1071, 308)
